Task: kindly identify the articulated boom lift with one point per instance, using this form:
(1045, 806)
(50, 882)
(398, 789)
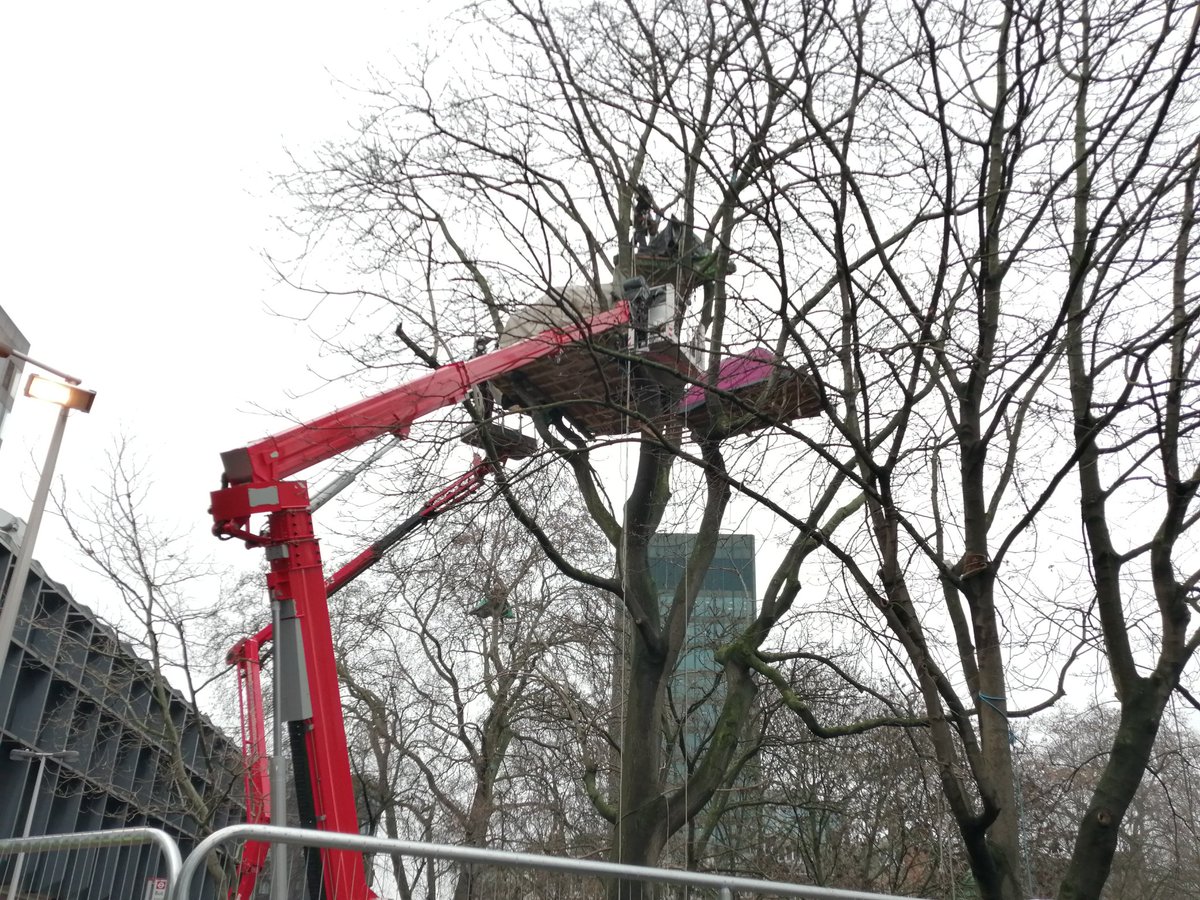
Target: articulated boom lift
(246, 656)
(572, 370)
(254, 484)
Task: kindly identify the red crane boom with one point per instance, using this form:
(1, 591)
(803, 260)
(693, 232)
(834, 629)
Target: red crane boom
(252, 485)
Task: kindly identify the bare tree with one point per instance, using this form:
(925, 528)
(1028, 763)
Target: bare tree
(163, 622)
(1063, 761)
(450, 655)
(975, 222)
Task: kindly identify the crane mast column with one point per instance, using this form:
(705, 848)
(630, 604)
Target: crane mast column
(304, 644)
(296, 580)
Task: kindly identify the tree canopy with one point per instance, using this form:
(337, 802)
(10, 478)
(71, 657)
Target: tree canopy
(973, 224)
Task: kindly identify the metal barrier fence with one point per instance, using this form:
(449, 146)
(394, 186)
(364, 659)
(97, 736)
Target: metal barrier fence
(175, 876)
(726, 887)
(146, 877)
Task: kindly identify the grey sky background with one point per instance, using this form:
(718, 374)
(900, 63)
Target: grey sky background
(141, 140)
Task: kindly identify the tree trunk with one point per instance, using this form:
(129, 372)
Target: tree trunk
(473, 883)
(641, 829)
(1096, 840)
(1003, 838)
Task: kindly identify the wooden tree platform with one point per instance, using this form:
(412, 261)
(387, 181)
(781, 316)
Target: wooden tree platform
(589, 383)
(754, 390)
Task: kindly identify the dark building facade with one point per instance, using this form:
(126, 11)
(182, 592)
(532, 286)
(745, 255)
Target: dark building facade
(70, 684)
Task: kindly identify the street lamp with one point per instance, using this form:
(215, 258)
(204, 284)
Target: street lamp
(68, 396)
(63, 756)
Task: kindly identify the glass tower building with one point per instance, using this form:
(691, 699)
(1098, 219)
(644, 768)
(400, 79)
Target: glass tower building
(725, 604)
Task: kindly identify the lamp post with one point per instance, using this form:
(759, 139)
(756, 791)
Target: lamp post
(68, 396)
(63, 756)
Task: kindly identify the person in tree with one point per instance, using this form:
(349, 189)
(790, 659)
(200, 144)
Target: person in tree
(645, 222)
(485, 394)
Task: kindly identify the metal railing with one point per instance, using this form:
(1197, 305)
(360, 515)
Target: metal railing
(180, 873)
(726, 886)
(172, 862)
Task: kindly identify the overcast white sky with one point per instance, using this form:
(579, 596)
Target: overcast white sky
(140, 140)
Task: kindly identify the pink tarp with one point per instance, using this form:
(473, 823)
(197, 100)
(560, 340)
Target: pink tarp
(742, 370)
